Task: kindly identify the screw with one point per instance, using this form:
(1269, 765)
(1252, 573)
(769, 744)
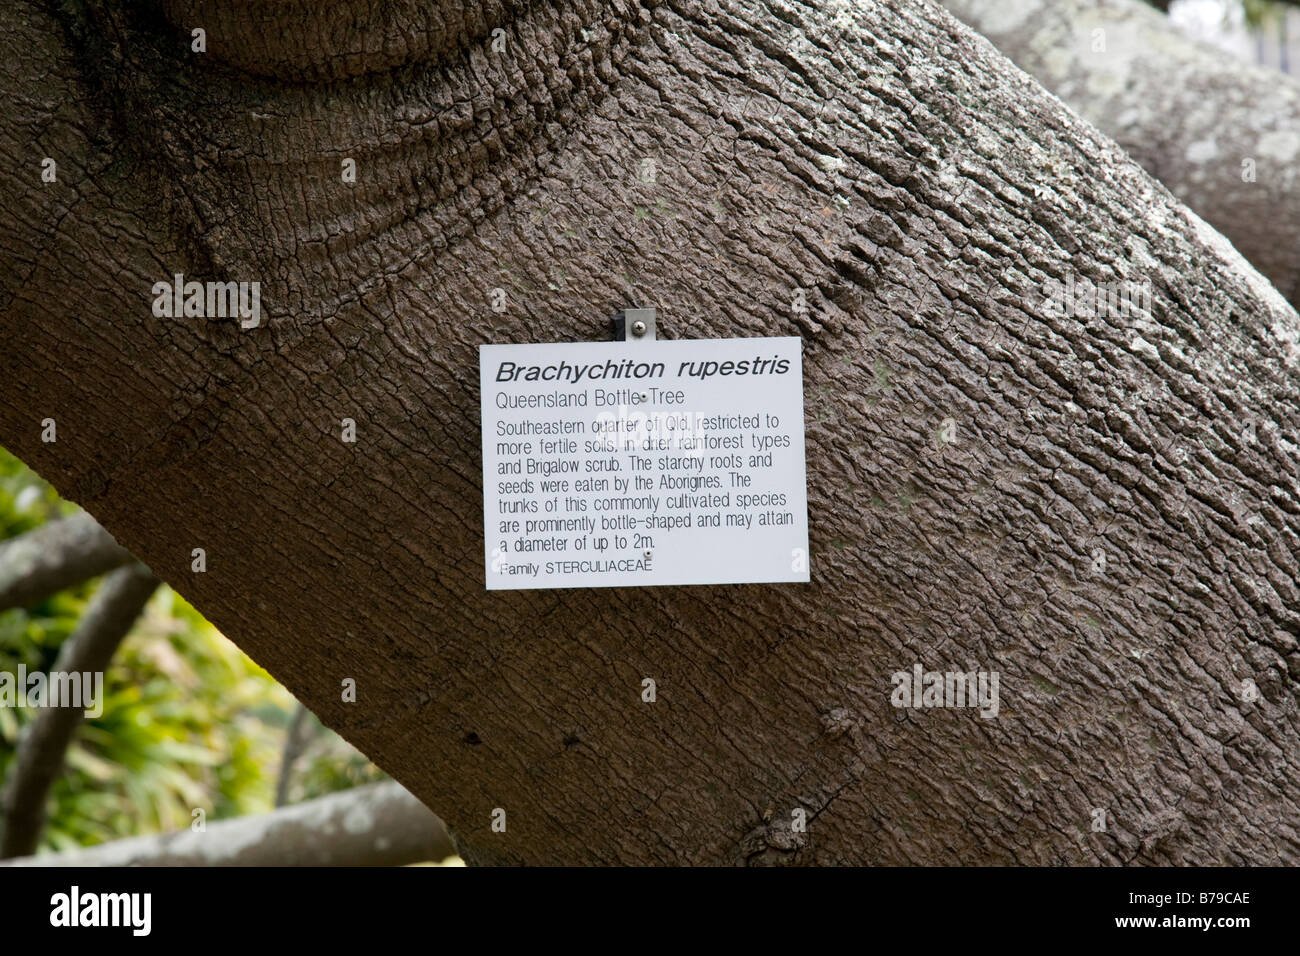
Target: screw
(649, 555)
(643, 396)
(638, 328)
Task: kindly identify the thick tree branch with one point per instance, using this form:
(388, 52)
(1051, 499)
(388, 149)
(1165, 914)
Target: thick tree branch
(108, 619)
(1219, 133)
(376, 825)
(55, 556)
(1111, 533)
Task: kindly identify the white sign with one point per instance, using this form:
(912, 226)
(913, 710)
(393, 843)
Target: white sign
(616, 464)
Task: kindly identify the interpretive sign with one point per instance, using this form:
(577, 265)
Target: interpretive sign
(614, 464)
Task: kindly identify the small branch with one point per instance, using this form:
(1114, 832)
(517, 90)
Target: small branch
(55, 556)
(41, 748)
(379, 824)
(293, 747)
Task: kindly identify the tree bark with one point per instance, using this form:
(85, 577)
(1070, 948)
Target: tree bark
(1107, 531)
(379, 824)
(1224, 136)
(55, 556)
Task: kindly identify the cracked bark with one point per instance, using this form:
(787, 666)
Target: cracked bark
(880, 157)
(1189, 113)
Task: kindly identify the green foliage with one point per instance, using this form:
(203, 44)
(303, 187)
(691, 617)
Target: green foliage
(1262, 13)
(328, 763)
(188, 721)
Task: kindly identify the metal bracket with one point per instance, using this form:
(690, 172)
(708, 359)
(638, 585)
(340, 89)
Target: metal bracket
(635, 325)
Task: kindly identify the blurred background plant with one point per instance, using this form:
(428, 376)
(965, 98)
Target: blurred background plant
(1263, 31)
(189, 722)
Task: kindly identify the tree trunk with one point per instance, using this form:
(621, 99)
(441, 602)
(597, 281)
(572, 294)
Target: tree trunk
(1105, 530)
(1222, 135)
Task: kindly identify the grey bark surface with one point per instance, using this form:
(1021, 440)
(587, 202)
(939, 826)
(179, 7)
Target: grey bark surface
(1189, 113)
(379, 824)
(38, 760)
(878, 156)
(55, 556)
